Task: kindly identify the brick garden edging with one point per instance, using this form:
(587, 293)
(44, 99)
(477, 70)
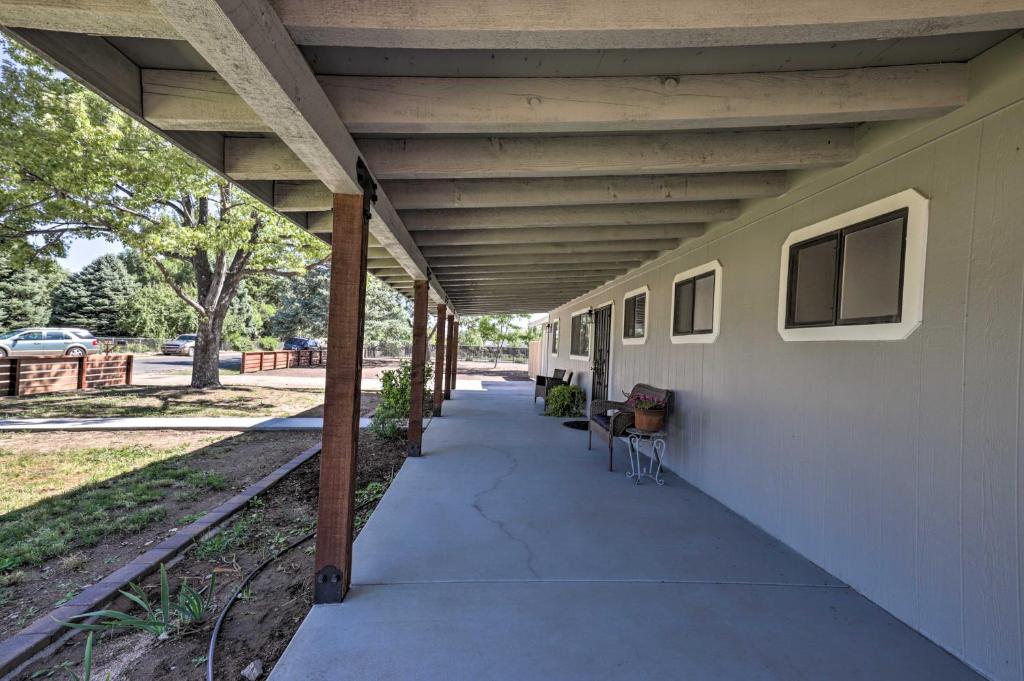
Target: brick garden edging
(21, 646)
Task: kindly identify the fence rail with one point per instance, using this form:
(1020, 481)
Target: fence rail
(38, 375)
(281, 359)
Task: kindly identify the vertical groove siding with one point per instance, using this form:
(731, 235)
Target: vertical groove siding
(895, 465)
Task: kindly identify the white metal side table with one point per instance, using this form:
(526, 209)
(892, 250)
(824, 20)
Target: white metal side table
(637, 438)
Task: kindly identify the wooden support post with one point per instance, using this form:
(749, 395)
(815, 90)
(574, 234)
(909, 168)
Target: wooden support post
(439, 363)
(129, 370)
(335, 519)
(419, 361)
(448, 358)
(455, 352)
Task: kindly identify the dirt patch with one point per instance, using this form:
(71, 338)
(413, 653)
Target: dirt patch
(239, 459)
(260, 625)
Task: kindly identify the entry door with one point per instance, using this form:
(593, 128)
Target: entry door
(602, 353)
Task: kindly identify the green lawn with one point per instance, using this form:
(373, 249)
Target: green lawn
(58, 501)
(164, 401)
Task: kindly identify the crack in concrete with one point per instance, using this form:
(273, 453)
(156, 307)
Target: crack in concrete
(502, 527)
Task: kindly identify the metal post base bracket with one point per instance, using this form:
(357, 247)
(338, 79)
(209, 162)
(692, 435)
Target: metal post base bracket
(327, 588)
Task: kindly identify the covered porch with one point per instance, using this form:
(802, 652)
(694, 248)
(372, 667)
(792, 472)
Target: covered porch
(508, 551)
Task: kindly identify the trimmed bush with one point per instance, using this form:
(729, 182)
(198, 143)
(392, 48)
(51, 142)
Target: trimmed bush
(395, 398)
(240, 343)
(565, 401)
(267, 343)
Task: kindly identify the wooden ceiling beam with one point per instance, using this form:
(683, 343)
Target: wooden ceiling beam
(539, 235)
(541, 24)
(618, 215)
(397, 106)
(651, 154)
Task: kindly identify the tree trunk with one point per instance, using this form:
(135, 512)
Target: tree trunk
(206, 360)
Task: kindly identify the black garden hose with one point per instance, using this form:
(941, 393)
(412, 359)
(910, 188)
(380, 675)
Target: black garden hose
(234, 597)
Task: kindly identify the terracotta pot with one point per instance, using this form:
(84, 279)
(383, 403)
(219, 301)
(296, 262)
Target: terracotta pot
(649, 420)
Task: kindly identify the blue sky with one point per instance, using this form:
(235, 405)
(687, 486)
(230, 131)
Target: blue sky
(81, 252)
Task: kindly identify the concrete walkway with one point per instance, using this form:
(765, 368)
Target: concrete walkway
(509, 552)
(170, 423)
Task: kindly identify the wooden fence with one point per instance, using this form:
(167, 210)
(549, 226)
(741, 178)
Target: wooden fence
(281, 359)
(37, 375)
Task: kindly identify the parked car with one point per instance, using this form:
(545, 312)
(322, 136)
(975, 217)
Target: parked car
(302, 344)
(48, 341)
(185, 344)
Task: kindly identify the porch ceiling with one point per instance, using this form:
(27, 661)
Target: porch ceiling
(517, 143)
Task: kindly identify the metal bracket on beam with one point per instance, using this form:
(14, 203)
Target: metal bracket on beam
(368, 186)
(328, 585)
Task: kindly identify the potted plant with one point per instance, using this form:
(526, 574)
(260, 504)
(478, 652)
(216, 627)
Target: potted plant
(648, 415)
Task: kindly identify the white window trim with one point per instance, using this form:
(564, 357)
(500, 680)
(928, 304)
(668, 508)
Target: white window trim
(590, 337)
(558, 346)
(716, 320)
(913, 271)
(647, 306)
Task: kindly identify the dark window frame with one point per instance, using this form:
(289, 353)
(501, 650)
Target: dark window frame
(575, 335)
(839, 236)
(628, 332)
(693, 304)
(554, 338)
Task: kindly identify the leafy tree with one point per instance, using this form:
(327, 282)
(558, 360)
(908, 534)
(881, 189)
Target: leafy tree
(25, 293)
(501, 330)
(94, 297)
(154, 311)
(71, 165)
(303, 307)
(388, 319)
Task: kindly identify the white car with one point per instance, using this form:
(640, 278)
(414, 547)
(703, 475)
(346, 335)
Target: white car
(48, 341)
(185, 344)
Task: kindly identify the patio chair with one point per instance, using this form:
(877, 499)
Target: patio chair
(546, 382)
(611, 426)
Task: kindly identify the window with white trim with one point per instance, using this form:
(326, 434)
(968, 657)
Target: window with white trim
(857, 276)
(696, 304)
(579, 341)
(554, 337)
(853, 275)
(634, 316)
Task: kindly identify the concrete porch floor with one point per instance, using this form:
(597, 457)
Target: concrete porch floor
(509, 552)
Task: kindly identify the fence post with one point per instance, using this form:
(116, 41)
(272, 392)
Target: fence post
(129, 369)
(16, 377)
(81, 371)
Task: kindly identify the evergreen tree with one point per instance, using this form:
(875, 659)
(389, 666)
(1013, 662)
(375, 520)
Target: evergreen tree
(388, 319)
(25, 294)
(93, 298)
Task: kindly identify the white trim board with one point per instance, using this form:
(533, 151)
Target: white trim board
(913, 271)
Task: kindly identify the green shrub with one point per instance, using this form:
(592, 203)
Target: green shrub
(565, 401)
(395, 397)
(240, 343)
(267, 343)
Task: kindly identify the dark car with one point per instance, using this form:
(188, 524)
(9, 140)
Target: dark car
(302, 344)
